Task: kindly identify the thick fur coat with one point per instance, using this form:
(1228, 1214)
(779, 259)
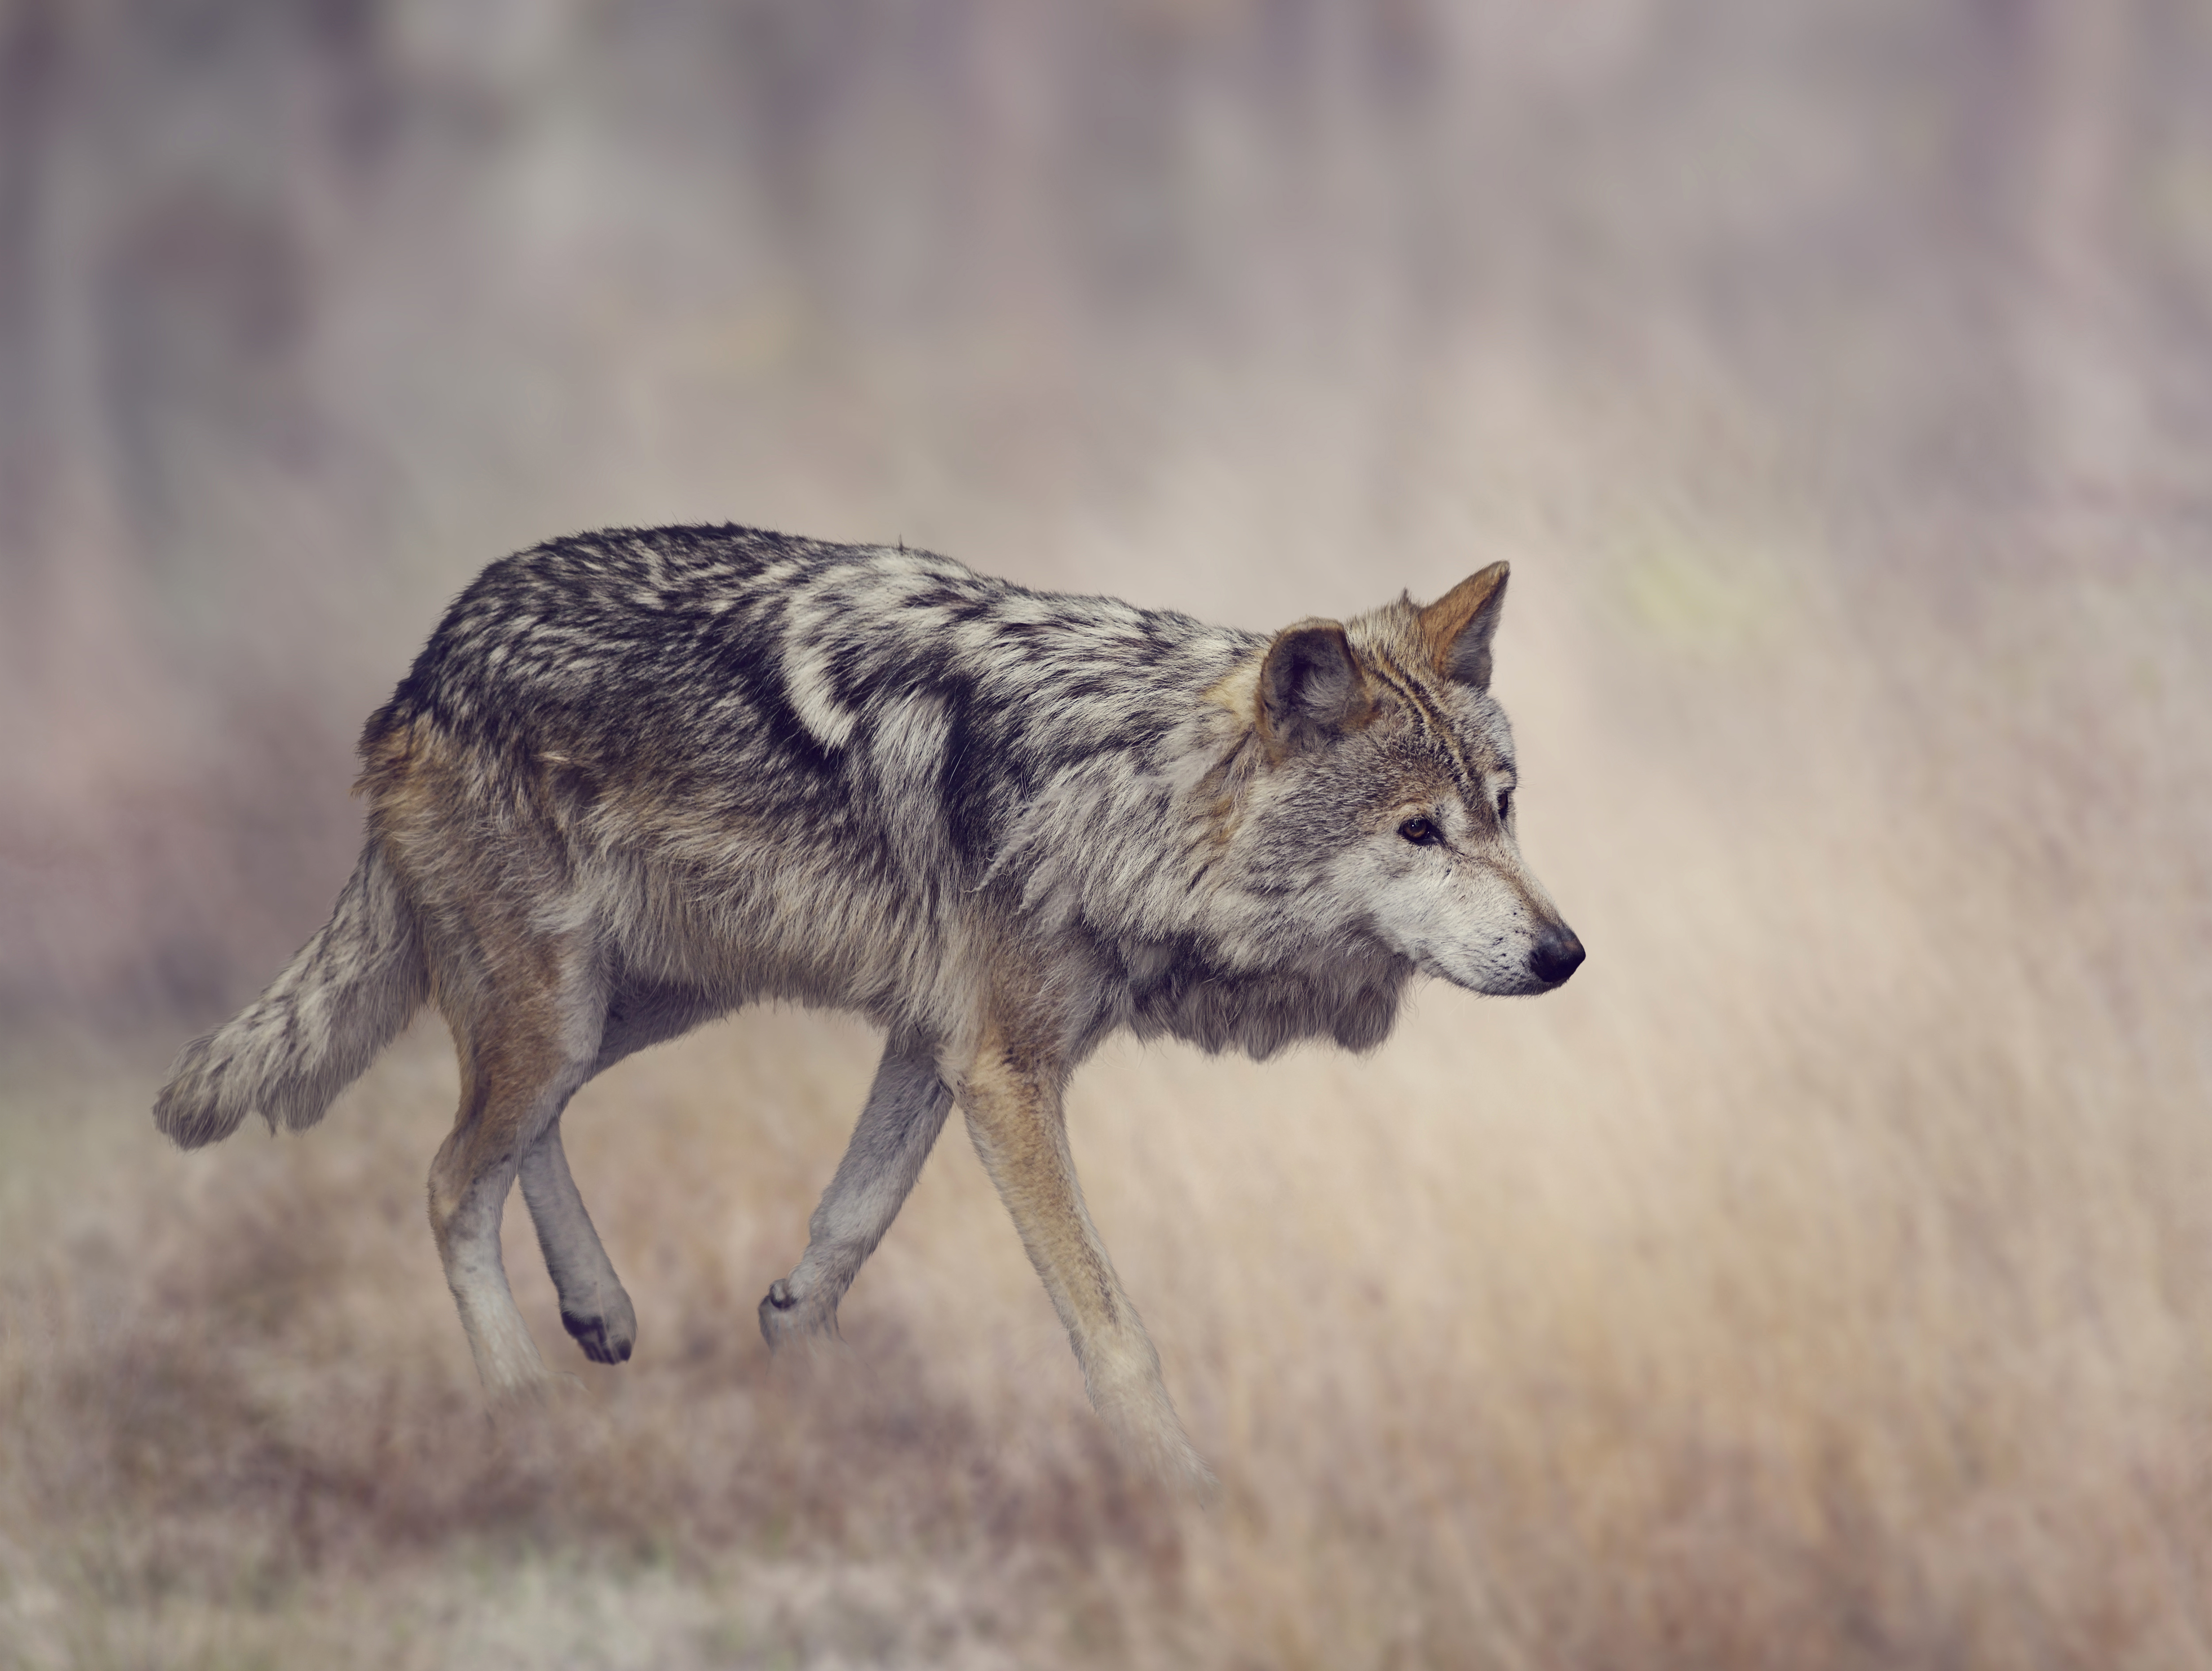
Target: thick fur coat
(639, 778)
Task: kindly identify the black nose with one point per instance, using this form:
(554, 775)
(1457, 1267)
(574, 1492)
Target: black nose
(1558, 955)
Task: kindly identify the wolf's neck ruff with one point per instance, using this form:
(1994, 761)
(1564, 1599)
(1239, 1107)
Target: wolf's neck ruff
(639, 778)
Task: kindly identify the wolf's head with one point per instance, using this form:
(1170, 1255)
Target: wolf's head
(1384, 792)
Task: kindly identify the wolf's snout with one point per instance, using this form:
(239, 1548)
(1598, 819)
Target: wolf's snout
(1558, 955)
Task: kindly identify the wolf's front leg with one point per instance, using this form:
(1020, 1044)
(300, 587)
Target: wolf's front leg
(906, 1111)
(1015, 1119)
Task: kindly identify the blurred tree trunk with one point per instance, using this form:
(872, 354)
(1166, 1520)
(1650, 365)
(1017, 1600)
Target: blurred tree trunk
(30, 52)
(2068, 288)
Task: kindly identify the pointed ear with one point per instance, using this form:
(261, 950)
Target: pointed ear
(1458, 625)
(1310, 686)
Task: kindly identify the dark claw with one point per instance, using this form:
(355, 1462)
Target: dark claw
(590, 1334)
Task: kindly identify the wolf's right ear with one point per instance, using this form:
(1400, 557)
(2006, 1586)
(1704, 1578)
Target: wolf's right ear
(1310, 686)
(1458, 626)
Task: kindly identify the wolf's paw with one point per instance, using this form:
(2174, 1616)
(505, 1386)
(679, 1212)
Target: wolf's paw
(787, 1315)
(607, 1334)
(519, 1402)
(1163, 1451)
(1136, 1410)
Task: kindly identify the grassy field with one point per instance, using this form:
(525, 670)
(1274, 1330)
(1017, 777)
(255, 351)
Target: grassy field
(1818, 1280)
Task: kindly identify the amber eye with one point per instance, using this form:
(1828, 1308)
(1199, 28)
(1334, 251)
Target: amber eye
(1420, 832)
(1504, 804)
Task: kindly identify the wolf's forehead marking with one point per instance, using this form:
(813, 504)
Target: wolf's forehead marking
(1433, 722)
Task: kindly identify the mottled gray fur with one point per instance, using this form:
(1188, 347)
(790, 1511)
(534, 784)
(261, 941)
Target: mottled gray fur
(639, 778)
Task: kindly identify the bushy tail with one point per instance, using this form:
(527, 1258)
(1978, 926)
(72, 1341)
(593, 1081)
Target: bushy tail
(306, 1039)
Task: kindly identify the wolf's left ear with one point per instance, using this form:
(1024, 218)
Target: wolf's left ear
(1310, 685)
(1457, 627)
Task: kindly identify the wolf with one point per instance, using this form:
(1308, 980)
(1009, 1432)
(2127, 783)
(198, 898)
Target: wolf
(639, 778)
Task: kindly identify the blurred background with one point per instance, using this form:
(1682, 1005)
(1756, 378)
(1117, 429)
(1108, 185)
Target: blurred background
(1819, 1279)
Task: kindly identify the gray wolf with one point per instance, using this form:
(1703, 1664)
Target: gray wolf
(641, 777)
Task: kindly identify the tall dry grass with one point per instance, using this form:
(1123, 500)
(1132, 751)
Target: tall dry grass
(1817, 1280)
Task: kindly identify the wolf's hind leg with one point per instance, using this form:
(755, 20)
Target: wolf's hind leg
(1016, 1123)
(594, 1307)
(906, 1110)
(525, 1046)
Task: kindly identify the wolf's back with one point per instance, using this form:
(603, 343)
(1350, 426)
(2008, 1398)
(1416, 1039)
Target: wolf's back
(291, 1051)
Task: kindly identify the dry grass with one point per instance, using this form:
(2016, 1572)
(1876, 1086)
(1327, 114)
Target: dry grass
(1818, 1280)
